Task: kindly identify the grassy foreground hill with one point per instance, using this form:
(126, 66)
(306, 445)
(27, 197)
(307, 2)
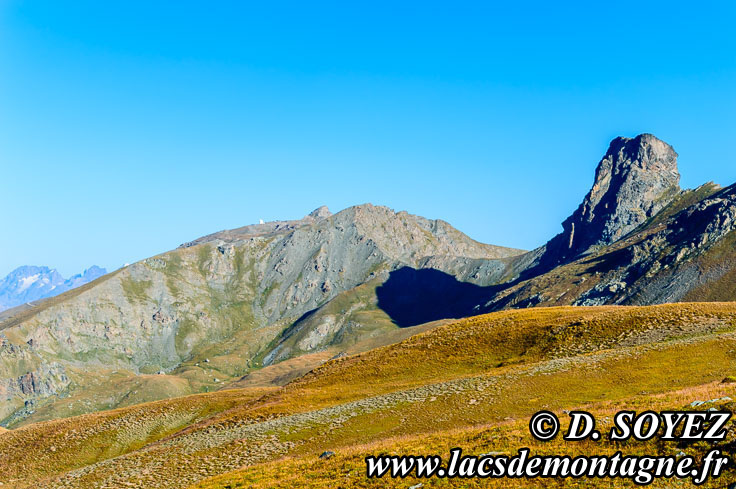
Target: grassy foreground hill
(472, 383)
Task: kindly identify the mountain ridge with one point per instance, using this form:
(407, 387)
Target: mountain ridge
(217, 309)
(204, 313)
(30, 283)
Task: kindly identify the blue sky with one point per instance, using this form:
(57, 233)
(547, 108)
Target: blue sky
(127, 128)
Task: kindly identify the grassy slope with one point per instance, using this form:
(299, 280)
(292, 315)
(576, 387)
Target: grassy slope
(285, 371)
(478, 375)
(70, 443)
(347, 468)
(129, 389)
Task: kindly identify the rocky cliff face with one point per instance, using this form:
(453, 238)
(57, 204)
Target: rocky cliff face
(635, 239)
(686, 253)
(636, 179)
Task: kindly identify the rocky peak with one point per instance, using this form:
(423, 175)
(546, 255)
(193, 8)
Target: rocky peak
(636, 178)
(321, 212)
(92, 273)
(31, 283)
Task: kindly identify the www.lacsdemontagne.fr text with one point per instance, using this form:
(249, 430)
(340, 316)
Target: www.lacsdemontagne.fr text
(639, 469)
(690, 426)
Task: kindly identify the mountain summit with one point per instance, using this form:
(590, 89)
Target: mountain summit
(30, 283)
(636, 179)
(321, 212)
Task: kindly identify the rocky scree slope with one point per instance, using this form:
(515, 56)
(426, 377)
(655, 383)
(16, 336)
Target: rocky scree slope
(197, 317)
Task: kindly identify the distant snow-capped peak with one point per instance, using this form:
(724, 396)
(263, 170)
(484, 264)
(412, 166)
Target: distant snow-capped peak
(30, 283)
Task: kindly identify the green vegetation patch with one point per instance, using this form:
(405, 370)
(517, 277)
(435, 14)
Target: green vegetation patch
(135, 290)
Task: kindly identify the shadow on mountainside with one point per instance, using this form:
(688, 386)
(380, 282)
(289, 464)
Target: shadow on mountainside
(411, 297)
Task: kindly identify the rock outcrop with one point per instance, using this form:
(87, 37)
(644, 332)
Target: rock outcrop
(636, 179)
(686, 253)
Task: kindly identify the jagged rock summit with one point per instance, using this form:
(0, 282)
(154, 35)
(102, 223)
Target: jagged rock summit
(31, 283)
(321, 212)
(636, 178)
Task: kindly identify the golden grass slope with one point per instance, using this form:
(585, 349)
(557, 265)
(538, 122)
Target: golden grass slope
(346, 469)
(451, 385)
(66, 444)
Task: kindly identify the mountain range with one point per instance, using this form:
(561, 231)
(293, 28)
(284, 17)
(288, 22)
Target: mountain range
(30, 283)
(266, 303)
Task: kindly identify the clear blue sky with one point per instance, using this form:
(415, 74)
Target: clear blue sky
(127, 128)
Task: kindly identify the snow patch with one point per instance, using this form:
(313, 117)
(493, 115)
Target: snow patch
(26, 282)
